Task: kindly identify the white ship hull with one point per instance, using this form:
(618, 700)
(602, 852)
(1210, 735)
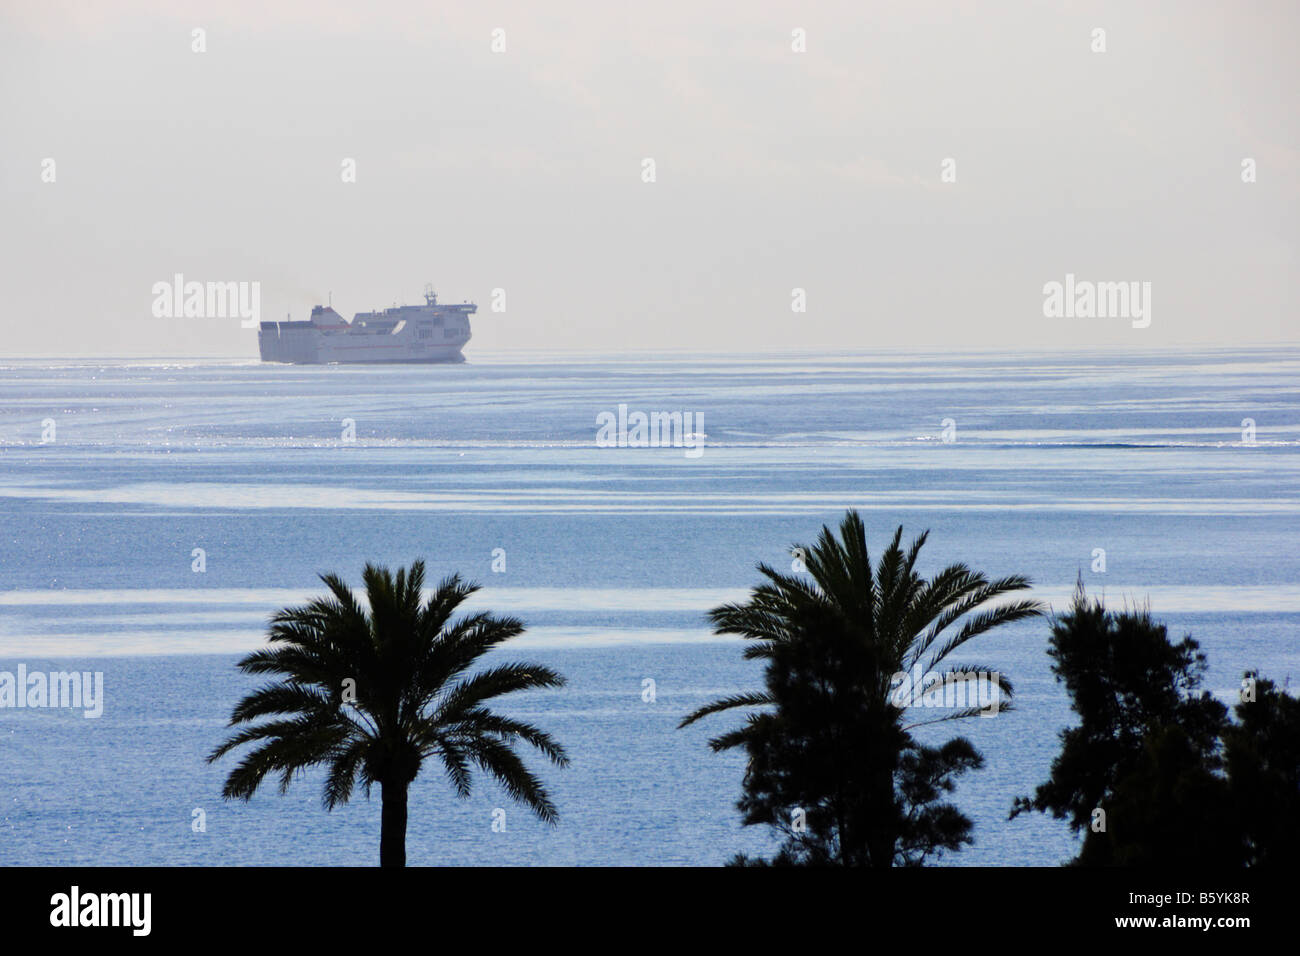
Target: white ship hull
(411, 333)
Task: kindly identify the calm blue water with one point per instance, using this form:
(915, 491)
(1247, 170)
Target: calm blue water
(611, 555)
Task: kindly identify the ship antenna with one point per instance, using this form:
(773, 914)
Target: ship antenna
(430, 297)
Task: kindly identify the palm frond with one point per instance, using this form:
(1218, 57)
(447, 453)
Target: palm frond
(493, 682)
(983, 622)
(519, 783)
(751, 699)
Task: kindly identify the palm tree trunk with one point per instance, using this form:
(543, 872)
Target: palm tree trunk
(392, 825)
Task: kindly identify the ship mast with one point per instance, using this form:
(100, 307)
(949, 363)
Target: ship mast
(430, 297)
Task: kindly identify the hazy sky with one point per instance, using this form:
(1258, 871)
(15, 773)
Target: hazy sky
(775, 169)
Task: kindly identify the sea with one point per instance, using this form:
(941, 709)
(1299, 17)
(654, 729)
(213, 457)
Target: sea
(154, 513)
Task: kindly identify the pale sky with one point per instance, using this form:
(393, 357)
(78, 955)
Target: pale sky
(775, 170)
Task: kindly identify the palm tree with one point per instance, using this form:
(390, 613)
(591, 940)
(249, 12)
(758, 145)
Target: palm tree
(852, 630)
(370, 694)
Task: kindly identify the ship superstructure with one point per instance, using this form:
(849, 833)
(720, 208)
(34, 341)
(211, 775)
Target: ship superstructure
(433, 332)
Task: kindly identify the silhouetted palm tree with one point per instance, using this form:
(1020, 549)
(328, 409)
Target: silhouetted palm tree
(369, 695)
(835, 640)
